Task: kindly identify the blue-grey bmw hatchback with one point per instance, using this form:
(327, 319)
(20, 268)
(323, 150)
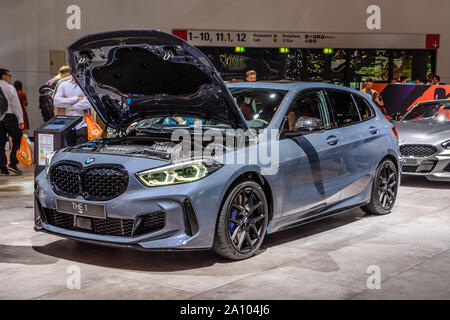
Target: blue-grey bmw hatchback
(331, 149)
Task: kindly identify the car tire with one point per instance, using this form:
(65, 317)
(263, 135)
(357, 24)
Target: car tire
(384, 189)
(242, 222)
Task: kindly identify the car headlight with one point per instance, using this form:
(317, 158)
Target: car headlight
(446, 144)
(48, 161)
(178, 173)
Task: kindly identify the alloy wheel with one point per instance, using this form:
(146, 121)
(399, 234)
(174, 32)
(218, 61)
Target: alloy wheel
(387, 186)
(246, 220)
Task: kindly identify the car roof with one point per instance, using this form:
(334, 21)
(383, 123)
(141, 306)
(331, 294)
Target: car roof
(294, 86)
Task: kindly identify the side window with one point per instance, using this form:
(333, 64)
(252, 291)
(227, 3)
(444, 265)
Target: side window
(365, 110)
(308, 105)
(344, 107)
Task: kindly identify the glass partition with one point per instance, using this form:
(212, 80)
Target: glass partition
(349, 67)
(369, 64)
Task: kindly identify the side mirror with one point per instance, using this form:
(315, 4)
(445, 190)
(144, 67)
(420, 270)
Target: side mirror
(396, 116)
(308, 124)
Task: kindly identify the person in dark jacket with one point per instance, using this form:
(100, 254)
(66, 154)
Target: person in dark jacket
(3, 105)
(11, 125)
(47, 91)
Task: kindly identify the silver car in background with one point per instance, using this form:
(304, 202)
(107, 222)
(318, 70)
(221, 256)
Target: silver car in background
(424, 133)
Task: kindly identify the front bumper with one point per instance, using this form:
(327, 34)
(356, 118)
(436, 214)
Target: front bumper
(190, 214)
(434, 168)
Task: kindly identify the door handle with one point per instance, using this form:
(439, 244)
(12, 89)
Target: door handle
(332, 140)
(373, 130)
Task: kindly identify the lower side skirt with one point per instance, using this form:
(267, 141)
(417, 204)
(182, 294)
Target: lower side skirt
(318, 216)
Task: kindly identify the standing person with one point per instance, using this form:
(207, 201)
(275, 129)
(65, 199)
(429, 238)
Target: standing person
(376, 97)
(430, 77)
(23, 103)
(250, 76)
(3, 105)
(70, 96)
(12, 124)
(436, 80)
(64, 72)
(403, 80)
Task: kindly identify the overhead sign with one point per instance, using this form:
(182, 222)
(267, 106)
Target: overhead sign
(307, 39)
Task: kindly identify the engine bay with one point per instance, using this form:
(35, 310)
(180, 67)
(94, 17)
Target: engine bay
(152, 147)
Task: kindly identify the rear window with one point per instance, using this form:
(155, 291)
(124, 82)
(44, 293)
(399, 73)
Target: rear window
(344, 108)
(364, 108)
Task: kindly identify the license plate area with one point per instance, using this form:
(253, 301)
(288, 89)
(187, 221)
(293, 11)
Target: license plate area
(83, 223)
(81, 209)
(411, 161)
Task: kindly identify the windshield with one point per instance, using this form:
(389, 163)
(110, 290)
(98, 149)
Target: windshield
(258, 107)
(434, 110)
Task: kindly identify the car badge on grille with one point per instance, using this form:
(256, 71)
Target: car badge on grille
(89, 161)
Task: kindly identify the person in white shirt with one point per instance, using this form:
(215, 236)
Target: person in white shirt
(64, 72)
(11, 125)
(70, 96)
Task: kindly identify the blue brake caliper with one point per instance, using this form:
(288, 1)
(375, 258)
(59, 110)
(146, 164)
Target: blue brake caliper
(232, 224)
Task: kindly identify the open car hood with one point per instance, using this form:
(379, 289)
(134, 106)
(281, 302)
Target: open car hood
(136, 74)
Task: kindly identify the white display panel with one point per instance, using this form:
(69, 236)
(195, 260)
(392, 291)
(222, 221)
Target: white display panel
(46, 146)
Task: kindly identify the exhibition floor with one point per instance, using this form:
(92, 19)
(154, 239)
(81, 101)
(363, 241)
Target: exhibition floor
(327, 259)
